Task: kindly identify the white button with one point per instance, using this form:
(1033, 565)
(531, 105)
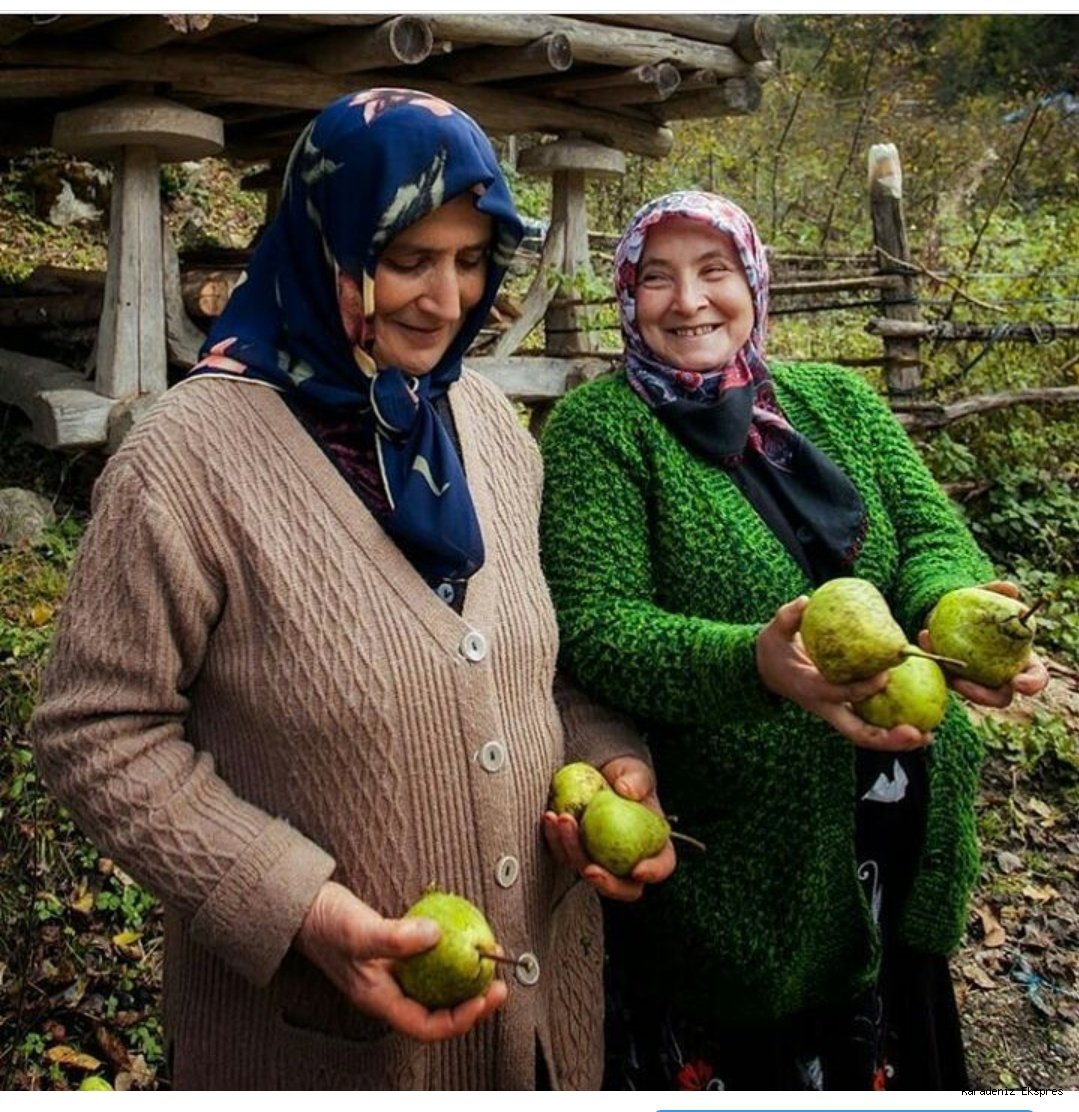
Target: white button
(474, 646)
(527, 970)
(507, 871)
(492, 756)
(445, 592)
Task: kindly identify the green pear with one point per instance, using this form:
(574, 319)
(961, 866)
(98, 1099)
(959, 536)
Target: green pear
(849, 632)
(618, 833)
(916, 695)
(90, 1084)
(453, 970)
(991, 632)
(572, 788)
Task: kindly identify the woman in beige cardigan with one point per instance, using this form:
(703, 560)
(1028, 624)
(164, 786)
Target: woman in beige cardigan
(305, 666)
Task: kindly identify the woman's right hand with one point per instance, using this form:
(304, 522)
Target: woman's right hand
(786, 670)
(355, 947)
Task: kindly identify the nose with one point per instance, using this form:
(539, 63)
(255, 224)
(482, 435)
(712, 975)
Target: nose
(689, 294)
(442, 295)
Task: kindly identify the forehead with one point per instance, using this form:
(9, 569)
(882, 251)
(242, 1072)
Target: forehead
(457, 223)
(683, 237)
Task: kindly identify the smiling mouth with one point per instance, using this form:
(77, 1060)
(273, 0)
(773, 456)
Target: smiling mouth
(697, 330)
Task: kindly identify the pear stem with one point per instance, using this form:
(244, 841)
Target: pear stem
(910, 650)
(1038, 603)
(497, 958)
(678, 836)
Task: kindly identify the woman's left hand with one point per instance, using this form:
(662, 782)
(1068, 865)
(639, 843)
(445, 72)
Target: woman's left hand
(633, 779)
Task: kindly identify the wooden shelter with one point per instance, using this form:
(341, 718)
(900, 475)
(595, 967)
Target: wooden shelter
(141, 89)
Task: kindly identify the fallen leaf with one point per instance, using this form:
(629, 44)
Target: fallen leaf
(1040, 892)
(41, 613)
(1009, 862)
(1039, 808)
(113, 1046)
(978, 976)
(992, 931)
(83, 901)
(69, 1056)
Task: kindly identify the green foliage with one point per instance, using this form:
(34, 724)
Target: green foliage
(1045, 741)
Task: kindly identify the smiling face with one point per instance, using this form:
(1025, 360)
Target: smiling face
(694, 305)
(427, 280)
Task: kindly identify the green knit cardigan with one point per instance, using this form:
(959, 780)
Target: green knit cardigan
(663, 575)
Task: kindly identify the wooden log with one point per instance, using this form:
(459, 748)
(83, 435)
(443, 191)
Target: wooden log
(183, 338)
(612, 79)
(13, 28)
(550, 53)
(61, 279)
(898, 303)
(1031, 332)
(835, 285)
(245, 79)
(63, 409)
(139, 33)
(605, 45)
(403, 40)
(532, 379)
(736, 96)
(925, 417)
(753, 37)
(45, 310)
(38, 82)
(665, 82)
(205, 293)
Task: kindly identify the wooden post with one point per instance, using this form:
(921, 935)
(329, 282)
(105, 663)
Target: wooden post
(899, 301)
(137, 133)
(569, 161)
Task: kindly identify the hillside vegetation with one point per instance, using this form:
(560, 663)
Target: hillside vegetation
(982, 109)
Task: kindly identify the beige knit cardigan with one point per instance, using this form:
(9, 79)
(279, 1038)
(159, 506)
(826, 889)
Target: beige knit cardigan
(252, 690)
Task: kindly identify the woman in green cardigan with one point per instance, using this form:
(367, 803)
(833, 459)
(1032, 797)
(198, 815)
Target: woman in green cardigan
(692, 501)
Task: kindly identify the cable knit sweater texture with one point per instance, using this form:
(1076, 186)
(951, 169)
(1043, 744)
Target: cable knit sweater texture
(663, 575)
(252, 690)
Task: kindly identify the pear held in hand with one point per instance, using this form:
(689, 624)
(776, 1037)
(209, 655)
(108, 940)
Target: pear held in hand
(916, 695)
(619, 833)
(454, 970)
(849, 632)
(572, 788)
(992, 632)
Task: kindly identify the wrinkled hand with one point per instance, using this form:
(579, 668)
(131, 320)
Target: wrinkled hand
(633, 779)
(786, 670)
(355, 947)
(1030, 680)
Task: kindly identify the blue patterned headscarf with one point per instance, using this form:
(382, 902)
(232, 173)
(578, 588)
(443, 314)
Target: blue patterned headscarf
(367, 167)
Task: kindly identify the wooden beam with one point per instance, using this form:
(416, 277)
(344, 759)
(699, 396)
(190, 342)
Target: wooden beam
(242, 78)
(34, 82)
(403, 40)
(720, 29)
(665, 82)
(549, 53)
(935, 417)
(536, 378)
(1029, 332)
(13, 27)
(737, 96)
(539, 296)
(45, 310)
(140, 33)
(756, 40)
(591, 42)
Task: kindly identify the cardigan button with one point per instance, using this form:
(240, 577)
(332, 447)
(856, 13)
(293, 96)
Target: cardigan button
(492, 756)
(507, 871)
(527, 969)
(474, 646)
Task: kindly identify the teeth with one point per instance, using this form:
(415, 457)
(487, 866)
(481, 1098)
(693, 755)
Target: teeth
(700, 330)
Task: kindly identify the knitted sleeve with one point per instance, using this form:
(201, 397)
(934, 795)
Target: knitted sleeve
(936, 550)
(108, 735)
(616, 640)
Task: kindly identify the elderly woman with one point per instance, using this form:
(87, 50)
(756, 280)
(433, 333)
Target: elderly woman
(691, 502)
(305, 666)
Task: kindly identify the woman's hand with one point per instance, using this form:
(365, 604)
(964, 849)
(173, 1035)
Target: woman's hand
(786, 670)
(1029, 681)
(355, 947)
(633, 779)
